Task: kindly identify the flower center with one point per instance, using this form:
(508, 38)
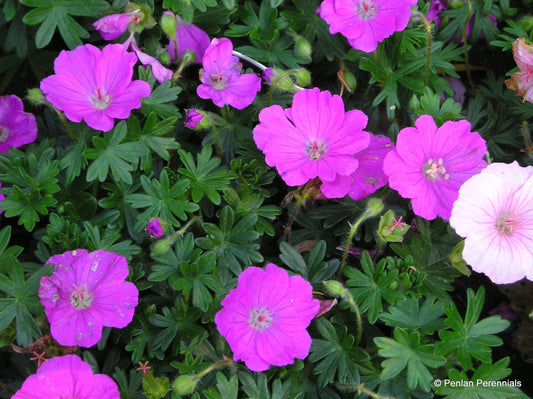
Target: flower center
(218, 80)
(260, 319)
(3, 133)
(525, 75)
(507, 223)
(80, 298)
(315, 150)
(100, 100)
(366, 9)
(435, 170)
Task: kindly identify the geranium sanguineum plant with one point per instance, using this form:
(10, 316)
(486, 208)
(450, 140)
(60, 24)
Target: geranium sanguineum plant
(95, 85)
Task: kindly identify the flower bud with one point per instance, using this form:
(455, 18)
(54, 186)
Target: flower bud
(161, 247)
(197, 119)
(334, 288)
(281, 80)
(303, 77)
(156, 227)
(188, 57)
(457, 261)
(351, 82)
(36, 96)
(303, 48)
(184, 385)
(155, 388)
(374, 206)
(453, 4)
(169, 24)
(164, 58)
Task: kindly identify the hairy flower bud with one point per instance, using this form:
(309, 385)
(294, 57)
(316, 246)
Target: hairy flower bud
(168, 24)
(161, 247)
(184, 385)
(334, 288)
(303, 48)
(303, 77)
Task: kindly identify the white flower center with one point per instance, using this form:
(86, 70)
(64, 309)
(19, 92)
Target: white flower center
(80, 298)
(3, 133)
(366, 9)
(260, 319)
(218, 80)
(434, 170)
(101, 100)
(507, 223)
(315, 150)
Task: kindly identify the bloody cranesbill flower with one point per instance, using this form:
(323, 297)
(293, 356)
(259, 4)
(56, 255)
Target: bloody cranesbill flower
(430, 163)
(369, 175)
(265, 318)
(522, 82)
(494, 212)
(188, 37)
(112, 26)
(87, 291)
(221, 77)
(158, 70)
(16, 126)
(67, 377)
(366, 22)
(314, 138)
(95, 85)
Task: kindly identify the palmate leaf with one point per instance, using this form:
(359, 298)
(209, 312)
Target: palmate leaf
(52, 14)
(404, 351)
(410, 314)
(471, 338)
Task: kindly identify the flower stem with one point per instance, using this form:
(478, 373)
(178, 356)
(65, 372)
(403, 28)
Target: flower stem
(427, 26)
(182, 231)
(217, 140)
(353, 228)
(349, 298)
(214, 366)
(360, 389)
(300, 199)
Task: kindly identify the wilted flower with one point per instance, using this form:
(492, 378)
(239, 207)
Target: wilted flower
(314, 138)
(221, 77)
(369, 175)
(189, 37)
(95, 85)
(67, 377)
(158, 70)
(366, 22)
(112, 26)
(16, 126)
(494, 212)
(86, 292)
(522, 82)
(430, 163)
(265, 318)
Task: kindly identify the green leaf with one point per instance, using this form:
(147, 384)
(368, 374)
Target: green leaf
(292, 258)
(470, 338)
(161, 100)
(57, 14)
(408, 315)
(404, 351)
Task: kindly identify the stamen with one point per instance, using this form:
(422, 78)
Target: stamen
(100, 100)
(366, 9)
(80, 298)
(435, 170)
(3, 133)
(218, 80)
(260, 319)
(507, 223)
(315, 150)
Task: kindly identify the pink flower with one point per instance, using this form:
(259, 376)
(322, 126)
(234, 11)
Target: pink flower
(86, 292)
(366, 22)
(158, 70)
(221, 78)
(369, 175)
(314, 138)
(430, 163)
(16, 126)
(67, 377)
(265, 318)
(95, 85)
(193, 118)
(494, 212)
(112, 26)
(188, 37)
(154, 228)
(522, 82)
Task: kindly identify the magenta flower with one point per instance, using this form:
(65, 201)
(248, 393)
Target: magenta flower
(522, 82)
(494, 212)
(265, 318)
(366, 22)
(435, 8)
(221, 77)
(95, 85)
(112, 26)
(67, 377)
(189, 37)
(314, 138)
(368, 177)
(16, 126)
(193, 118)
(158, 70)
(430, 163)
(154, 228)
(86, 292)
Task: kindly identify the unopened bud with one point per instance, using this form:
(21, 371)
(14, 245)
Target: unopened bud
(374, 206)
(36, 96)
(457, 261)
(282, 80)
(197, 119)
(156, 227)
(349, 79)
(161, 247)
(453, 4)
(303, 77)
(188, 57)
(303, 48)
(334, 288)
(169, 24)
(184, 385)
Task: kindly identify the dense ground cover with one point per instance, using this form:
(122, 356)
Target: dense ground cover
(275, 199)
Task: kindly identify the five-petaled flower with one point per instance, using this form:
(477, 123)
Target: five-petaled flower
(86, 292)
(67, 377)
(221, 77)
(314, 138)
(265, 318)
(95, 85)
(16, 126)
(430, 164)
(494, 212)
(366, 22)
(188, 37)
